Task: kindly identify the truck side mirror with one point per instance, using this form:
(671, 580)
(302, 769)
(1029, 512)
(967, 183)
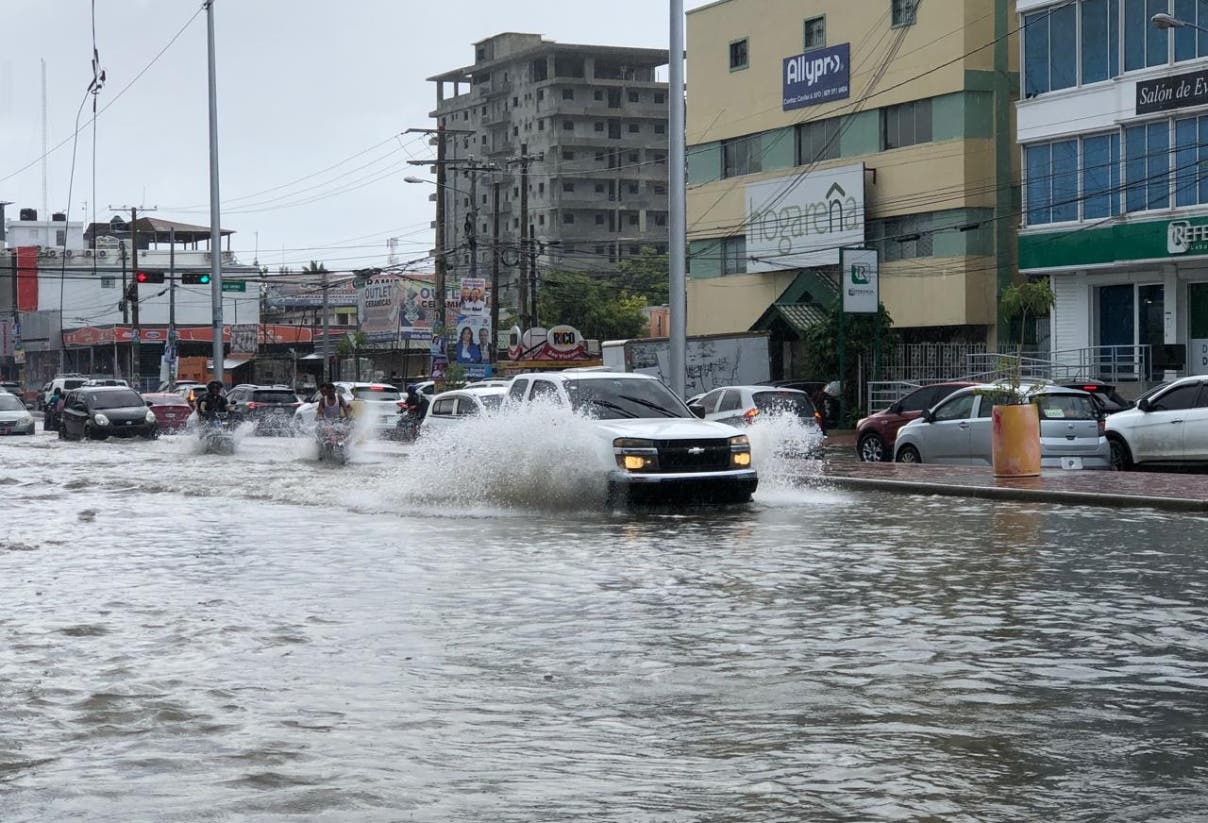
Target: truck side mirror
(698, 410)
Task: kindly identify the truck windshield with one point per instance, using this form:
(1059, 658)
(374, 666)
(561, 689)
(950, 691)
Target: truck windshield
(616, 398)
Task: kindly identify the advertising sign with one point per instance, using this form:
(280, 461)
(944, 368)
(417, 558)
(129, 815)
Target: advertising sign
(6, 339)
(473, 299)
(794, 222)
(817, 76)
(563, 343)
(473, 344)
(861, 286)
(378, 308)
(419, 308)
(1166, 93)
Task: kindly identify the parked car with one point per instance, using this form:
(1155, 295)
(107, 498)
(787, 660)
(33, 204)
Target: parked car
(10, 386)
(14, 417)
(1169, 427)
(64, 383)
(662, 451)
(171, 410)
(877, 433)
(451, 407)
(104, 411)
(742, 406)
(1105, 394)
(270, 408)
(105, 381)
(378, 403)
(958, 430)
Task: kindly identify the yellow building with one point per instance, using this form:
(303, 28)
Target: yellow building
(879, 123)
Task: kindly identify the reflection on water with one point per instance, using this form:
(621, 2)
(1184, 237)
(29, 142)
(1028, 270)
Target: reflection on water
(260, 636)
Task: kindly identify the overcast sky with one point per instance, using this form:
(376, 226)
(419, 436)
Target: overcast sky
(303, 85)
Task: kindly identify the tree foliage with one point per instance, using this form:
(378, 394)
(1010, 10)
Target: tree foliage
(646, 275)
(860, 336)
(600, 309)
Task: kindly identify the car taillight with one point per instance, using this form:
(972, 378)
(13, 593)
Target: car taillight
(253, 404)
(749, 415)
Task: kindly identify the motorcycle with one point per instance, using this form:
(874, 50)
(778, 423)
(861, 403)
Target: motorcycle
(333, 442)
(216, 436)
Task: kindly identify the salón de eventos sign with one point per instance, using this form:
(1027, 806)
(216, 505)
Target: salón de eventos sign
(1175, 92)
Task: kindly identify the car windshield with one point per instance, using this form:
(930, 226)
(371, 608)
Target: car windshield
(72, 384)
(274, 396)
(615, 398)
(1067, 407)
(784, 402)
(9, 402)
(376, 393)
(491, 402)
(115, 400)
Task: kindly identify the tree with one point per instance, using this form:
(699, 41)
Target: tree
(600, 309)
(314, 268)
(860, 335)
(646, 275)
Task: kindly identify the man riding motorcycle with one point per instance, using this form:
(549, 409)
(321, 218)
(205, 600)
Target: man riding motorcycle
(211, 404)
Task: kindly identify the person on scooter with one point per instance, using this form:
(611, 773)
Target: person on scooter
(50, 416)
(332, 407)
(211, 404)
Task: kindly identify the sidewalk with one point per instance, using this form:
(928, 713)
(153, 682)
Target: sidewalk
(1153, 490)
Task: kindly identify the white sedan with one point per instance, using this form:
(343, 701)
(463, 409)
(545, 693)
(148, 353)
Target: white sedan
(378, 403)
(1169, 427)
(451, 407)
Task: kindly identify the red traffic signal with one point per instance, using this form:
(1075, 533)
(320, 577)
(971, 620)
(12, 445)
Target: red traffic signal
(149, 277)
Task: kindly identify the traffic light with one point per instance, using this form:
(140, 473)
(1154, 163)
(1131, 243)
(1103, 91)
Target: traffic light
(149, 277)
(195, 278)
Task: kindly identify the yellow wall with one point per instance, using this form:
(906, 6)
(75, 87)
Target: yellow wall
(726, 304)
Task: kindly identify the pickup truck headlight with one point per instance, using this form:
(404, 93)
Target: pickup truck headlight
(740, 452)
(635, 455)
(100, 419)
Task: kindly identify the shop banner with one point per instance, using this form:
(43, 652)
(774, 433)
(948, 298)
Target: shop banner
(817, 76)
(378, 308)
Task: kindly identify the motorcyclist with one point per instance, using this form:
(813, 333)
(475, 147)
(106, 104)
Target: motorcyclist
(50, 415)
(332, 407)
(211, 404)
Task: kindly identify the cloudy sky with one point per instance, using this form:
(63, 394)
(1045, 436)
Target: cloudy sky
(311, 97)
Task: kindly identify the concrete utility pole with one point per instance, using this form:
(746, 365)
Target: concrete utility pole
(326, 338)
(494, 270)
(215, 210)
(130, 293)
(526, 314)
(677, 232)
(171, 344)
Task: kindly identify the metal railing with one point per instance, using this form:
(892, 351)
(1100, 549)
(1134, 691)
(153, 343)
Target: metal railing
(1113, 364)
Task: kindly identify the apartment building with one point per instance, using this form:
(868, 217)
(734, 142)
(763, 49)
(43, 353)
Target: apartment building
(1113, 129)
(883, 124)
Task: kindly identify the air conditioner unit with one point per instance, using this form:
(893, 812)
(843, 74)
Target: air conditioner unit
(88, 252)
(67, 253)
(102, 253)
(50, 252)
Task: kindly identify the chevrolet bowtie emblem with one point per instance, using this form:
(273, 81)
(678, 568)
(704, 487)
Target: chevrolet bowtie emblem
(696, 450)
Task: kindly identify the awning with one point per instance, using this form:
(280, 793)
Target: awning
(229, 363)
(799, 317)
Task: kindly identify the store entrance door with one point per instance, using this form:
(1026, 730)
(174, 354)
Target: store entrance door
(1197, 328)
(1117, 332)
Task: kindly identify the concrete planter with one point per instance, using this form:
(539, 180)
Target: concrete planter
(1015, 440)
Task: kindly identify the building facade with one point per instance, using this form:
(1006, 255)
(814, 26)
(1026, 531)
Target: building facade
(594, 121)
(1113, 131)
(881, 124)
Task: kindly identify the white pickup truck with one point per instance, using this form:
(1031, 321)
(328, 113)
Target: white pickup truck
(663, 453)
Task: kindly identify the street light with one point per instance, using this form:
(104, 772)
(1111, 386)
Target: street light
(1163, 21)
(412, 179)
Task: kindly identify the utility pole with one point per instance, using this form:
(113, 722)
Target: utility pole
(677, 232)
(534, 250)
(171, 352)
(326, 339)
(125, 304)
(494, 270)
(527, 315)
(131, 292)
(215, 210)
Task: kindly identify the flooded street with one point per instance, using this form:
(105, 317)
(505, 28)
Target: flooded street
(469, 637)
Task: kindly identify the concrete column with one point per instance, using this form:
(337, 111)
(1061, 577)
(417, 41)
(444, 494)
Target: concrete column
(1172, 309)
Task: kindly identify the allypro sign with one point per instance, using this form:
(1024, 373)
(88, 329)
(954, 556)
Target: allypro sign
(794, 222)
(817, 76)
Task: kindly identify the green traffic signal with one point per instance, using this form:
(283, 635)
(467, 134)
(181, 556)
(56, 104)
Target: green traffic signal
(195, 278)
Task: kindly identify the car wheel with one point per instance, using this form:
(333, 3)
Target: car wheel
(62, 432)
(909, 454)
(871, 448)
(1121, 455)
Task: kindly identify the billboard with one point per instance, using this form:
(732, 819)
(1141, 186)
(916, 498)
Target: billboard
(861, 284)
(800, 221)
(817, 76)
(472, 345)
(394, 307)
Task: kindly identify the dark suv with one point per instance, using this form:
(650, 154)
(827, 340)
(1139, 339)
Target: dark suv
(271, 408)
(876, 434)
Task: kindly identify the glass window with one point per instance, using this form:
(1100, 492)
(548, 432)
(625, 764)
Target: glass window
(516, 390)
(1063, 47)
(544, 389)
(1157, 41)
(906, 124)
(815, 33)
(1191, 161)
(1067, 407)
(957, 408)
(1038, 162)
(738, 54)
(1183, 397)
(730, 401)
(1035, 54)
(817, 141)
(918, 400)
(1064, 176)
(1147, 166)
(1100, 176)
(709, 401)
(734, 255)
(742, 155)
(1144, 45)
(443, 406)
(902, 12)
(1100, 40)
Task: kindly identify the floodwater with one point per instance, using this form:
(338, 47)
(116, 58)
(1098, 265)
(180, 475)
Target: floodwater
(459, 632)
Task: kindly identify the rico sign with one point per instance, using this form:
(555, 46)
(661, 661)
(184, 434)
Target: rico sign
(792, 222)
(817, 77)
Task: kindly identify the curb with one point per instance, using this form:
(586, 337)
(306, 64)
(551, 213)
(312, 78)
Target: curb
(1115, 501)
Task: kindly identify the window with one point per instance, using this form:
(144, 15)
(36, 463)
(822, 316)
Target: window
(738, 54)
(1052, 181)
(633, 188)
(568, 187)
(1191, 41)
(1191, 161)
(1144, 45)
(1147, 166)
(634, 128)
(904, 238)
(730, 401)
(444, 406)
(599, 188)
(633, 218)
(957, 408)
(659, 188)
(734, 255)
(568, 218)
(815, 33)
(906, 124)
(614, 129)
(659, 98)
(597, 95)
(660, 217)
(742, 155)
(599, 218)
(567, 154)
(902, 12)
(1100, 40)
(541, 188)
(1100, 176)
(540, 221)
(660, 128)
(540, 94)
(1177, 399)
(544, 389)
(1050, 50)
(634, 97)
(107, 282)
(567, 125)
(599, 126)
(634, 157)
(817, 141)
(568, 94)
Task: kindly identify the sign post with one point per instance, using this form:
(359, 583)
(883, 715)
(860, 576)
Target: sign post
(859, 278)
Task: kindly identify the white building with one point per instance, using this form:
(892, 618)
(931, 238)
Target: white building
(1113, 128)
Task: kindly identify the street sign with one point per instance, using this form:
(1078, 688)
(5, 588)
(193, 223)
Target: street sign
(234, 285)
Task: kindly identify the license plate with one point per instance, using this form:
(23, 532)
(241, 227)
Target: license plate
(1071, 462)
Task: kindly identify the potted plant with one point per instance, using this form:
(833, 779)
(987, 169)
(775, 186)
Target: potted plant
(1015, 438)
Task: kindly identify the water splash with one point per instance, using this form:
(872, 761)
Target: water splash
(779, 443)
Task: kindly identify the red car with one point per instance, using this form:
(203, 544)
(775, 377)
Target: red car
(876, 434)
(171, 411)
